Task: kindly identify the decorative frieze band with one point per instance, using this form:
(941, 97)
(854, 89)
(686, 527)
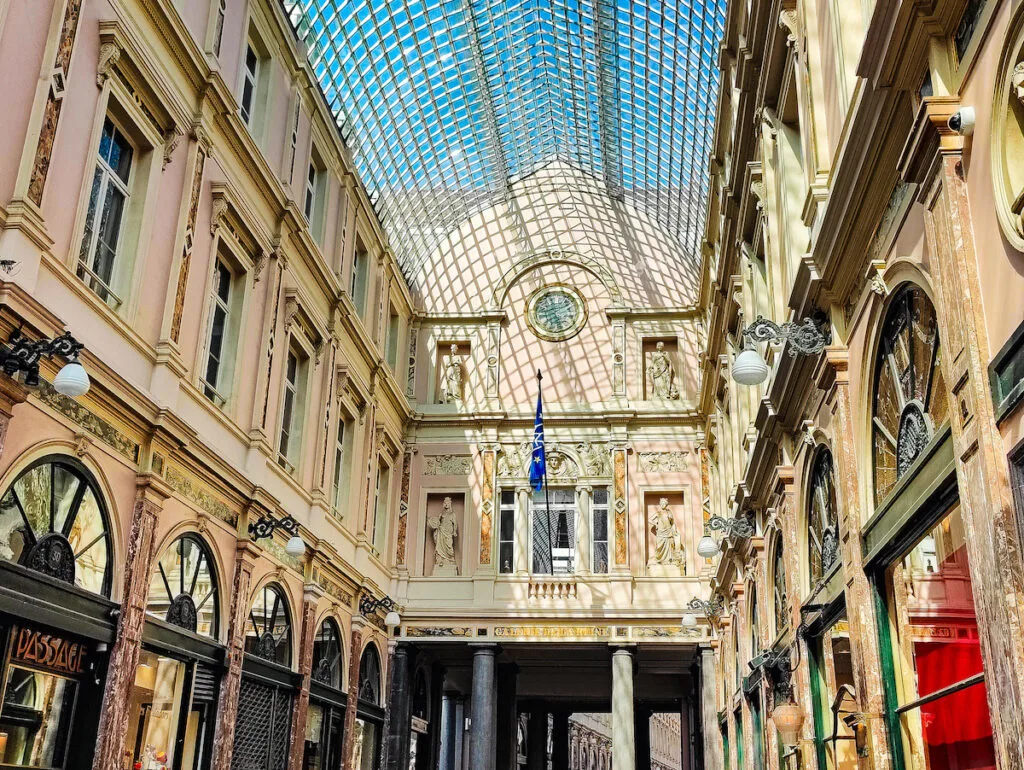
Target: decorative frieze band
(447, 465)
(663, 462)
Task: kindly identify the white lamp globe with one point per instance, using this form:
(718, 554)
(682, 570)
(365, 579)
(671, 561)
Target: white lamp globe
(749, 368)
(72, 380)
(707, 547)
(392, 620)
(295, 547)
(788, 719)
(689, 621)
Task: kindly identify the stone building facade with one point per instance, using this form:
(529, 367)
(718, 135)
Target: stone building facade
(862, 161)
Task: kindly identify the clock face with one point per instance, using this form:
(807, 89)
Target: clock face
(556, 312)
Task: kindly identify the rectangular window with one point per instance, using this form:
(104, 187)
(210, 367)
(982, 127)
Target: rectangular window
(380, 505)
(250, 85)
(554, 531)
(217, 375)
(340, 471)
(599, 516)
(108, 200)
(394, 327)
(292, 409)
(941, 703)
(507, 532)
(218, 30)
(311, 184)
(357, 288)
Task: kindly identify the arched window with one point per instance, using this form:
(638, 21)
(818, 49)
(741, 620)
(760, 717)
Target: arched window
(754, 641)
(327, 660)
(183, 587)
(369, 676)
(822, 518)
(269, 632)
(910, 396)
(779, 586)
(53, 521)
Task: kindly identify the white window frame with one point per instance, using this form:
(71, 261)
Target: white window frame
(289, 453)
(392, 337)
(309, 205)
(595, 510)
(250, 77)
(510, 509)
(381, 503)
(358, 282)
(342, 451)
(219, 392)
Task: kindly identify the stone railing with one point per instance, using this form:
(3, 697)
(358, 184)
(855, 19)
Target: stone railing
(553, 587)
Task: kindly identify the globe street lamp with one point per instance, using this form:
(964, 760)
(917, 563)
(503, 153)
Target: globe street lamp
(808, 337)
(741, 527)
(23, 355)
(711, 609)
(265, 526)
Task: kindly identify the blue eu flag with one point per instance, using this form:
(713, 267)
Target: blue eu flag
(538, 465)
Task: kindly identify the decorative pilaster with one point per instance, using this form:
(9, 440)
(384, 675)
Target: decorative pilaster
(493, 341)
(620, 512)
(713, 759)
(355, 653)
(310, 602)
(619, 357)
(934, 159)
(403, 510)
(584, 495)
(487, 508)
(113, 727)
(227, 703)
(186, 249)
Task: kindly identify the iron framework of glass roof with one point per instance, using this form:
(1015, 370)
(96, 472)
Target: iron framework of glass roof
(446, 103)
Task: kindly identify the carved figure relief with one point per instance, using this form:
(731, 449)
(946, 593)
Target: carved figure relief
(668, 548)
(451, 377)
(445, 529)
(594, 458)
(661, 375)
(447, 465)
(662, 462)
(513, 458)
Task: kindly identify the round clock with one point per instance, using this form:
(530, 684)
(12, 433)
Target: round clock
(556, 312)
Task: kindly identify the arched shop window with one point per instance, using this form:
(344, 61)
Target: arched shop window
(753, 639)
(781, 601)
(369, 676)
(327, 655)
(910, 396)
(53, 521)
(822, 518)
(269, 631)
(183, 587)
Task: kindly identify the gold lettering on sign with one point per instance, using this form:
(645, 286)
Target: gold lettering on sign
(55, 653)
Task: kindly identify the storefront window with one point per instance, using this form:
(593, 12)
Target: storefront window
(52, 521)
(939, 679)
(155, 711)
(327, 655)
(365, 744)
(183, 589)
(323, 737)
(36, 718)
(369, 676)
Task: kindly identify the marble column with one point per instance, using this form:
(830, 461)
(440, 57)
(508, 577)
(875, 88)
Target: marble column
(685, 732)
(642, 726)
(522, 541)
(355, 655)
(623, 736)
(709, 714)
(583, 539)
(537, 739)
(483, 743)
(560, 739)
(227, 703)
(111, 736)
(451, 730)
(508, 716)
(310, 602)
(12, 393)
(397, 736)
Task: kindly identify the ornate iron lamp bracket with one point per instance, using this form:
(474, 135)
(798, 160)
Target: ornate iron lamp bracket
(369, 605)
(711, 608)
(808, 337)
(740, 526)
(22, 354)
(265, 526)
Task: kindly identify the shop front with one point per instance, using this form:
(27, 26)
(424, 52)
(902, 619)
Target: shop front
(325, 718)
(171, 715)
(56, 622)
(369, 713)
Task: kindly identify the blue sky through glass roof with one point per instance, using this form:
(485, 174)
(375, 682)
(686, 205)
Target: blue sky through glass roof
(445, 102)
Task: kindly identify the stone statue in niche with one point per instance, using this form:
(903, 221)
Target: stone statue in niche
(451, 377)
(661, 375)
(668, 548)
(445, 529)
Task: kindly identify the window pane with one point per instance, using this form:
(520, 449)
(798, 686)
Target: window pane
(956, 730)
(36, 718)
(601, 524)
(90, 216)
(154, 709)
(109, 233)
(507, 525)
(505, 557)
(89, 542)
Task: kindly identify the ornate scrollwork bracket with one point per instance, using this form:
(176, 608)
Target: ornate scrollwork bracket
(808, 337)
(741, 526)
(265, 526)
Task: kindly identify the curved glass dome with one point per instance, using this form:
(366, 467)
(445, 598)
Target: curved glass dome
(446, 104)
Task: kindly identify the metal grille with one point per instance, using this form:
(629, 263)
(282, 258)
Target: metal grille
(261, 728)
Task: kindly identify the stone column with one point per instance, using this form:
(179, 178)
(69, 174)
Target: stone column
(537, 739)
(935, 160)
(355, 654)
(508, 716)
(397, 735)
(685, 739)
(451, 730)
(560, 739)
(311, 599)
(584, 496)
(522, 547)
(713, 759)
(12, 393)
(483, 743)
(246, 553)
(112, 736)
(623, 736)
(642, 727)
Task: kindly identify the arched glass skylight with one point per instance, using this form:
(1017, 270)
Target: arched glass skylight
(446, 103)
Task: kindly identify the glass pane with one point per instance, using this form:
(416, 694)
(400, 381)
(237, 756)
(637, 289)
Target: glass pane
(365, 745)
(90, 216)
(33, 489)
(268, 632)
(120, 158)
(313, 752)
(109, 233)
(507, 525)
(154, 710)
(600, 558)
(14, 538)
(36, 719)
(956, 731)
(65, 487)
(505, 558)
(89, 542)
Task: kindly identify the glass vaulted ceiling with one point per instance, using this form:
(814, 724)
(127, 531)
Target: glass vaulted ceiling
(446, 103)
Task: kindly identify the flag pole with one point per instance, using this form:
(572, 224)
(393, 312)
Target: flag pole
(547, 499)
